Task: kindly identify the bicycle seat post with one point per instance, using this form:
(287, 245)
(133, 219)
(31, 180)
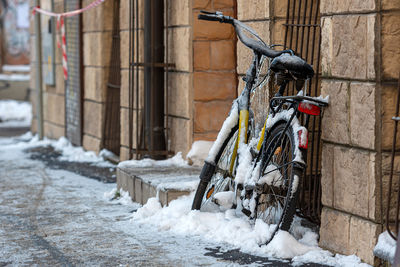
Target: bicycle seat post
(282, 88)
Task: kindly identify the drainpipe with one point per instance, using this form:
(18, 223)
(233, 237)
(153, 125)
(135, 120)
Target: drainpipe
(39, 91)
(154, 77)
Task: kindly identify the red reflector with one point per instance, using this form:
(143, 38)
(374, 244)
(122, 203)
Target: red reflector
(309, 109)
(303, 138)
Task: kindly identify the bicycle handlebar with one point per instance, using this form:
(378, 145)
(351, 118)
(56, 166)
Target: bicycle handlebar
(215, 16)
(256, 45)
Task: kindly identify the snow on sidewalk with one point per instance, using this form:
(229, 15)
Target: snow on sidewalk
(386, 247)
(15, 113)
(68, 151)
(231, 229)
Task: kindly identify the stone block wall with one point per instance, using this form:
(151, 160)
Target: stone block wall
(96, 34)
(124, 100)
(97, 26)
(360, 66)
(53, 96)
(180, 78)
(214, 68)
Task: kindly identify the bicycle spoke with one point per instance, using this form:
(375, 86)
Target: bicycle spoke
(271, 204)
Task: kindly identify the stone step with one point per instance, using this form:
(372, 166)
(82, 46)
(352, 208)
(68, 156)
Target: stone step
(168, 183)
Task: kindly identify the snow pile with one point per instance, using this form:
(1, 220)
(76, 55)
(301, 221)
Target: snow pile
(76, 154)
(16, 68)
(14, 77)
(386, 247)
(119, 197)
(62, 145)
(175, 161)
(232, 229)
(327, 258)
(199, 152)
(15, 113)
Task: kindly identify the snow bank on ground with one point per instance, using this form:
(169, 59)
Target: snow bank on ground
(68, 151)
(120, 197)
(76, 154)
(16, 68)
(14, 77)
(327, 258)
(175, 161)
(15, 113)
(199, 152)
(386, 247)
(234, 229)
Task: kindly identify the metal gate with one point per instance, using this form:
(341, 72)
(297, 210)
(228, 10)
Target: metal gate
(393, 186)
(73, 86)
(303, 35)
(111, 131)
(148, 96)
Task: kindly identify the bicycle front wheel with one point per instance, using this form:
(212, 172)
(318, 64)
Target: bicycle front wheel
(222, 178)
(278, 186)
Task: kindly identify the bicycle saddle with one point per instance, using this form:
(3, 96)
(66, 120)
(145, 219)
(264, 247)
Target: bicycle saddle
(296, 67)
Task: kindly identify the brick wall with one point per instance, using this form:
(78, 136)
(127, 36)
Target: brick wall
(360, 61)
(214, 69)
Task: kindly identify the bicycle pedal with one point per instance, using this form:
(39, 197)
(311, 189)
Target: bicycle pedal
(249, 187)
(246, 212)
(225, 199)
(253, 152)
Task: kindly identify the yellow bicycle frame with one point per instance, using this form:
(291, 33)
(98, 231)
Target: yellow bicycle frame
(243, 126)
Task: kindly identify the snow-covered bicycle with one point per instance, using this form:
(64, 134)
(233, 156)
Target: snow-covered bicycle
(263, 166)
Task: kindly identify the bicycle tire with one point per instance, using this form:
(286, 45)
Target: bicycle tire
(222, 162)
(284, 182)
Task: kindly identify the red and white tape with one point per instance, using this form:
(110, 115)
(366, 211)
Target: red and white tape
(67, 14)
(63, 45)
(60, 25)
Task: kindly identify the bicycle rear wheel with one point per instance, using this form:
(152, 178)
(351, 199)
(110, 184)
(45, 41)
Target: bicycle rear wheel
(222, 178)
(278, 186)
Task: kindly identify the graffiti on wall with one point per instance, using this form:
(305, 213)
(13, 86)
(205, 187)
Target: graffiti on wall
(16, 32)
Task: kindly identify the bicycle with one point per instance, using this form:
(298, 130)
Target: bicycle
(264, 167)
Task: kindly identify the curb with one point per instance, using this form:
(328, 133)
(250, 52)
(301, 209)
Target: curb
(166, 183)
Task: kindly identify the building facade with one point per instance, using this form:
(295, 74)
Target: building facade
(358, 62)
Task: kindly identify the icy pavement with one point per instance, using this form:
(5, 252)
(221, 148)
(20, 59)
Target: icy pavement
(56, 217)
